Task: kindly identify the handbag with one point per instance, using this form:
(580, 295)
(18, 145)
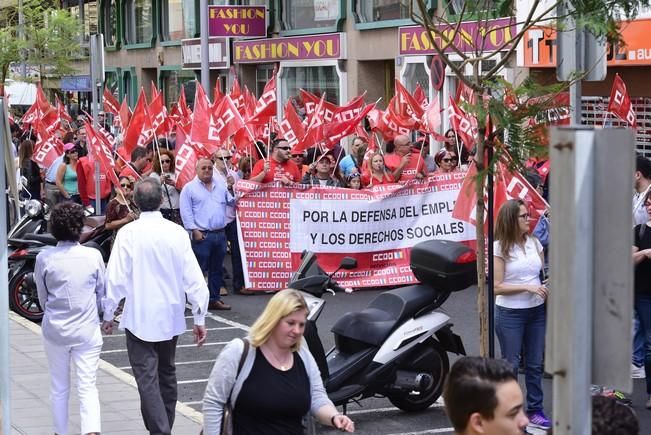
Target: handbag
(227, 415)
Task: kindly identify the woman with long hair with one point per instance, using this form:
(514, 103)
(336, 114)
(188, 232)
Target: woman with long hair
(520, 301)
(121, 209)
(446, 161)
(279, 382)
(66, 178)
(376, 172)
(29, 169)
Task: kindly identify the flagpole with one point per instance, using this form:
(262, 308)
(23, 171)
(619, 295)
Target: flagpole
(491, 259)
(605, 119)
(127, 164)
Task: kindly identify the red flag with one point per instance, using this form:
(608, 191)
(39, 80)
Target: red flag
(236, 95)
(335, 131)
(620, 103)
(47, 149)
(408, 102)
(350, 110)
(124, 115)
(314, 103)
(431, 120)
(139, 130)
(199, 133)
(100, 152)
(181, 113)
(265, 108)
(185, 159)
(154, 90)
(419, 95)
(291, 128)
(111, 105)
(461, 125)
(465, 94)
(62, 112)
(158, 113)
(226, 121)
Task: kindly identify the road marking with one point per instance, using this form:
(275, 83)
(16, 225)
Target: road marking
(210, 315)
(184, 363)
(441, 430)
(192, 381)
(218, 343)
(222, 328)
(391, 408)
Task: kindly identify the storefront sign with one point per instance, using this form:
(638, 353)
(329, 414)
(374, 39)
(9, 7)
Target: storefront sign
(471, 36)
(330, 46)
(540, 46)
(75, 83)
(237, 21)
(218, 53)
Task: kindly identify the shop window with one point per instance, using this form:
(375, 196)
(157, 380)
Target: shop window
(262, 75)
(383, 10)
(310, 14)
(172, 82)
(138, 19)
(109, 22)
(315, 79)
(415, 73)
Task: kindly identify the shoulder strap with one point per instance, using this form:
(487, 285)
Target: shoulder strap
(245, 352)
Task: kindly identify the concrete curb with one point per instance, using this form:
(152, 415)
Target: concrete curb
(182, 409)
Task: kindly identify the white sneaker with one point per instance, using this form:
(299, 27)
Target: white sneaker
(637, 372)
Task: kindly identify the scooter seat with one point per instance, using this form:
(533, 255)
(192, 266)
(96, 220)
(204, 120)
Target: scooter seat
(45, 238)
(375, 323)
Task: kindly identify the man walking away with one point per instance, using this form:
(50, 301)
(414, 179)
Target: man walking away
(154, 311)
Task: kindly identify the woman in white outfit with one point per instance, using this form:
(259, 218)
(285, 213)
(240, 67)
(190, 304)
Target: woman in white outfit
(70, 282)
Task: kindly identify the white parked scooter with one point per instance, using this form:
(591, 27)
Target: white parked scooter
(397, 346)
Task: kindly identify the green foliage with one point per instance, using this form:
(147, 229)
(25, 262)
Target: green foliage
(51, 38)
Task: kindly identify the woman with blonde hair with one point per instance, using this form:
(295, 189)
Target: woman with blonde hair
(271, 380)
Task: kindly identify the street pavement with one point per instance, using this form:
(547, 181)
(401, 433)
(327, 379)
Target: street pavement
(372, 416)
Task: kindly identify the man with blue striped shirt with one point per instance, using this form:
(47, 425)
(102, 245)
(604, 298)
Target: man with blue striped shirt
(203, 205)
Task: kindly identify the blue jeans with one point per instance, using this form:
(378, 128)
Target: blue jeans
(643, 309)
(210, 253)
(236, 256)
(638, 341)
(516, 327)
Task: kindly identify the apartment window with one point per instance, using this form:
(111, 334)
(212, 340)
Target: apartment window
(138, 20)
(262, 75)
(383, 10)
(177, 19)
(110, 22)
(310, 14)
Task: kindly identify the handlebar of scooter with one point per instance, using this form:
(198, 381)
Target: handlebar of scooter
(336, 287)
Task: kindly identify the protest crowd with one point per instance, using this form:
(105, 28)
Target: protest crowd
(169, 188)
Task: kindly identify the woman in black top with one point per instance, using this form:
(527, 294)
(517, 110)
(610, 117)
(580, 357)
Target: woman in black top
(642, 261)
(273, 383)
(29, 169)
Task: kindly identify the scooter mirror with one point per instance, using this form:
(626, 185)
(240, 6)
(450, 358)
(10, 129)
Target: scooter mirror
(348, 263)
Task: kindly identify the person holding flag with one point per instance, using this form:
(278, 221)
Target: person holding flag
(278, 167)
(404, 163)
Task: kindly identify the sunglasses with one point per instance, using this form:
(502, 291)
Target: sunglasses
(296, 156)
(524, 216)
(166, 161)
(71, 152)
(129, 186)
(225, 158)
(453, 159)
(284, 148)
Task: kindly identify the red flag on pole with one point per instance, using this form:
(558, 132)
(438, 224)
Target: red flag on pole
(620, 103)
(111, 105)
(462, 125)
(100, 152)
(291, 127)
(139, 121)
(48, 147)
(265, 107)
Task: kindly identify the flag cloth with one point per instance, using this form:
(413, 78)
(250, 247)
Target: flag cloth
(620, 102)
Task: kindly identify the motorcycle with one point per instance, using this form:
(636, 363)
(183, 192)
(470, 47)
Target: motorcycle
(397, 346)
(23, 297)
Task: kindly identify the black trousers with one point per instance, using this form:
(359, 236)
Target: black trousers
(155, 373)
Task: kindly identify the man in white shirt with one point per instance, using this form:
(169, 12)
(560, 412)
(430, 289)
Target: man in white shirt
(152, 265)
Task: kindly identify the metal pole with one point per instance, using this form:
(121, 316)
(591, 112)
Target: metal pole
(205, 51)
(97, 84)
(490, 296)
(5, 375)
(21, 36)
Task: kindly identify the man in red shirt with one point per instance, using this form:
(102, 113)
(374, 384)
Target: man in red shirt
(404, 162)
(278, 167)
(86, 185)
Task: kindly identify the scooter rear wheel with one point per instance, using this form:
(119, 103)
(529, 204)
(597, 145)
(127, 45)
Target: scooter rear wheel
(437, 365)
(23, 298)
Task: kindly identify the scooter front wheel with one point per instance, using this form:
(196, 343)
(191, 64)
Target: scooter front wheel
(23, 298)
(433, 362)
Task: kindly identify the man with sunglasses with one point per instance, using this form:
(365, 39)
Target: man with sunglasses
(404, 163)
(278, 167)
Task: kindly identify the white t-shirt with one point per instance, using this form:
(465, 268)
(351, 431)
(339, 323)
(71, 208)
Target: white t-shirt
(521, 268)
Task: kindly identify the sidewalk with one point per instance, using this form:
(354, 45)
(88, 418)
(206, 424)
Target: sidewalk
(30, 385)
